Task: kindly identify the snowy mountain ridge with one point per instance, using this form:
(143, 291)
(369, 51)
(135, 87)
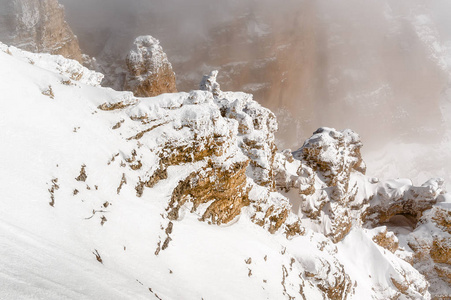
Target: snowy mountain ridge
(105, 193)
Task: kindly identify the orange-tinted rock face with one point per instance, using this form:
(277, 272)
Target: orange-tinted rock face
(149, 71)
(224, 187)
(39, 26)
(386, 240)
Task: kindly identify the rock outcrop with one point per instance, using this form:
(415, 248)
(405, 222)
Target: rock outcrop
(149, 73)
(431, 243)
(333, 155)
(210, 84)
(325, 178)
(229, 137)
(256, 128)
(401, 197)
(324, 172)
(38, 26)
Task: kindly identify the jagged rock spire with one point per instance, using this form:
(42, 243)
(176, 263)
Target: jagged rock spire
(210, 84)
(149, 72)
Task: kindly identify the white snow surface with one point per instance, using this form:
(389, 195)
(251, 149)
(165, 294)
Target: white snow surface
(69, 69)
(49, 252)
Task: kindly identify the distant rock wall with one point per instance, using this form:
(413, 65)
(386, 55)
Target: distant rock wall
(38, 26)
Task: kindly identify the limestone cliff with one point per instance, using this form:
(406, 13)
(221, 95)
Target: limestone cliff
(38, 26)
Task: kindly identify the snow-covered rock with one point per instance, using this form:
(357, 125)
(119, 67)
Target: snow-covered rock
(210, 84)
(326, 173)
(431, 244)
(401, 197)
(256, 128)
(149, 73)
(326, 178)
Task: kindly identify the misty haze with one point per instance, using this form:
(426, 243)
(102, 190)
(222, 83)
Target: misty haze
(289, 115)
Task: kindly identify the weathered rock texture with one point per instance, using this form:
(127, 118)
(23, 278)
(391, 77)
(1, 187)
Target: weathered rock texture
(400, 197)
(325, 178)
(149, 72)
(225, 188)
(334, 155)
(324, 171)
(256, 128)
(38, 26)
(386, 239)
(431, 243)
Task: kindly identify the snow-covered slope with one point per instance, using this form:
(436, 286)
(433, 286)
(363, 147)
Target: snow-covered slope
(109, 196)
